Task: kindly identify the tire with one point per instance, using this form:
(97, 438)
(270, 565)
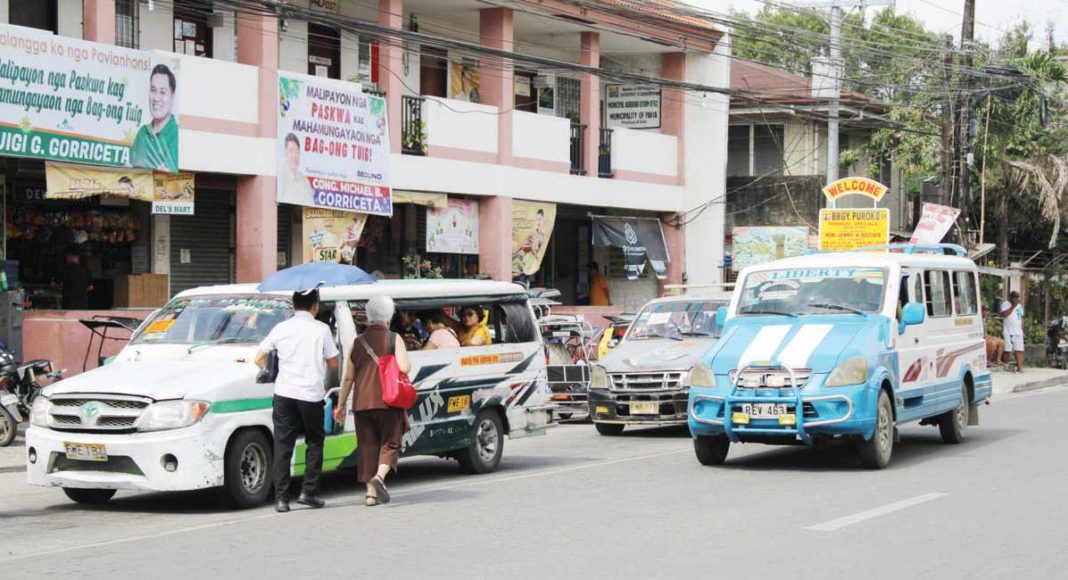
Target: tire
(609, 429)
(564, 416)
(9, 428)
(875, 453)
(486, 448)
(711, 450)
(952, 424)
(89, 496)
(247, 470)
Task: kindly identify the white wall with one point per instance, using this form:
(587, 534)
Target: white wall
(3, 12)
(800, 138)
(218, 89)
(541, 137)
(644, 151)
(460, 125)
(157, 27)
(70, 18)
(224, 38)
(293, 46)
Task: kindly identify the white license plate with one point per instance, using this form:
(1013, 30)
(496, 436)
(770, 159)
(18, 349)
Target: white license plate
(86, 451)
(764, 410)
(645, 408)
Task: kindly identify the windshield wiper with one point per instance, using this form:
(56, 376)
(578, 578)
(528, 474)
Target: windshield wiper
(775, 312)
(227, 340)
(830, 306)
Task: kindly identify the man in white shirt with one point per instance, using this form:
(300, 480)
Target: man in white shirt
(1012, 313)
(305, 349)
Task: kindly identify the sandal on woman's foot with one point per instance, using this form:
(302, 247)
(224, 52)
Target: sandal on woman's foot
(380, 489)
(371, 501)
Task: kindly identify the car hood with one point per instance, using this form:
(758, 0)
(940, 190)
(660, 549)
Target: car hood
(656, 354)
(810, 344)
(196, 376)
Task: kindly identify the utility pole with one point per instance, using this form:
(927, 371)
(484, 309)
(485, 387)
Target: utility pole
(967, 35)
(947, 125)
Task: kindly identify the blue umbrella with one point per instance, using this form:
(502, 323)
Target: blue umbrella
(313, 275)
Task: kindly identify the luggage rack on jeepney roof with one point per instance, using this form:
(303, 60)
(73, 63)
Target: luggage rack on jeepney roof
(941, 249)
(569, 347)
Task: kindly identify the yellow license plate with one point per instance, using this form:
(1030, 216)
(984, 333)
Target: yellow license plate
(601, 410)
(86, 451)
(645, 408)
(459, 403)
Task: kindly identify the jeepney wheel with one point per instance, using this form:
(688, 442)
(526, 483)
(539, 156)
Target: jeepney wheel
(247, 470)
(952, 423)
(9, 428)
(875, 453)
(711, 450)
(609, 429)
(484, 453)
(89, 496)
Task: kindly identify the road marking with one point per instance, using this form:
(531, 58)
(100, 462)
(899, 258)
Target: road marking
(339, 503)
(887, 509)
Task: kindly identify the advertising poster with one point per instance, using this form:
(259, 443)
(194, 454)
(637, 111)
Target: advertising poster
(333, 146)
(331, 235)
(453, 229)
(633, 106)
(757, 245)
(532, 226)
(464, 80)
(640, 239)
(844, 230)
(173, 193)
(65, 99)
(69, 181)
(935, 223)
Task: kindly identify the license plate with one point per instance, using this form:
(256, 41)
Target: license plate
(86, 451)
(764, 410)
(645, 408)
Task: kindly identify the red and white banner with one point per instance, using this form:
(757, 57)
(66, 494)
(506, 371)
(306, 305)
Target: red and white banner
(935, 223)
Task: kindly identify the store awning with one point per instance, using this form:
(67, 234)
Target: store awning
(436, 200)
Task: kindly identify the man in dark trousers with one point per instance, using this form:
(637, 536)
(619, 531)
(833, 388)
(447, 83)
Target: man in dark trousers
(305, 349)
(77, 282)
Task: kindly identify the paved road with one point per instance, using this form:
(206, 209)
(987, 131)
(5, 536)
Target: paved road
(577, 505)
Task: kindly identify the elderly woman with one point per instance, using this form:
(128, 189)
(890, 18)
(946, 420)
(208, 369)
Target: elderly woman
(378, 427)
(474, 332)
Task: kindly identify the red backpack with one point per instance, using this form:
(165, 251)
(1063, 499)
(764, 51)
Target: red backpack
(397, 388)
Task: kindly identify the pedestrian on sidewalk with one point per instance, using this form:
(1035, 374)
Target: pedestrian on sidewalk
(305, 349)
(379, 427)
(1012, 313)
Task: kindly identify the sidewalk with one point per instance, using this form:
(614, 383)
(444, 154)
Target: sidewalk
(1029, 380)
(11, 457)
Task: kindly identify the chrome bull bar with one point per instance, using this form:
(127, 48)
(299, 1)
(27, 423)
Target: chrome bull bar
(800, 425)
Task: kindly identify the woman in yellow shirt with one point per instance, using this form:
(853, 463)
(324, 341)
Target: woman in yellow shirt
(474, 331)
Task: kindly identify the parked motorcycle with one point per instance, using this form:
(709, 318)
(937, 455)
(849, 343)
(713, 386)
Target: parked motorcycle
(1057, 343)
(20, 383)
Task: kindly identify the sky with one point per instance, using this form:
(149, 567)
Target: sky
(992, 16)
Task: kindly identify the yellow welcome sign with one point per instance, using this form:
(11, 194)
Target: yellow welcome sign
(854, 186)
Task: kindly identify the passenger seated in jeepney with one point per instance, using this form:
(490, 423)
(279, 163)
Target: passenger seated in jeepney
(474, 331)
(406, 324)
(441, 336)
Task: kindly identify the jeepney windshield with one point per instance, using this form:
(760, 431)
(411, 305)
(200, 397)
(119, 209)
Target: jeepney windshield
(214, 319)
(676, 319)
(798, 291)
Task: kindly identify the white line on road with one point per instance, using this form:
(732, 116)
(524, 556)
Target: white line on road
(889, 508)
(342, 503)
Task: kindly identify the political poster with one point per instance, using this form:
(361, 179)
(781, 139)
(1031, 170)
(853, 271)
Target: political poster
(173, 193)
(532, 226)
(333, 146)
(453, 229)
(331, 235)
(633, 106)
(70, 181)
(757, 245)
(935, 222)
(844, 230)
(65, 99)
(640, 240)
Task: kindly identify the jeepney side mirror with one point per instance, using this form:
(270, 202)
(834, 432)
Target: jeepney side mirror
(912, 314)
(721, 317)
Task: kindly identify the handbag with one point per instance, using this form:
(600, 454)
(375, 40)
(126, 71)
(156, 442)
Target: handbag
(269, 372)
(397, 389)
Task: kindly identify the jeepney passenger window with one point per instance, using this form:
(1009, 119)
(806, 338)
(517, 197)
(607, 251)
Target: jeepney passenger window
(964, 288)
(516, 322)
(937, 290)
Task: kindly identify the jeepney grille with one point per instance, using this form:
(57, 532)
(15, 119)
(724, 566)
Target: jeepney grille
(646, 381)
(753, 378)
(110, 412)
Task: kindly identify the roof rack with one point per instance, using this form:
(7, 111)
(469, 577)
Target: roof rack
(957, 250)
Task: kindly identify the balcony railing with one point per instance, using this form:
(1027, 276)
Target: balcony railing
(604, 154)
(413, 127)
(578, 148)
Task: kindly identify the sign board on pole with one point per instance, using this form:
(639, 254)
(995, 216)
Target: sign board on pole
(844, 230)
(633, 106)
(935, 223)
(757, 245)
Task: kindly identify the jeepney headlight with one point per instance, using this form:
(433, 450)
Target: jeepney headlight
(852, 371)
(171, 415)
(700, 375)
(598, 378)
(39, 411)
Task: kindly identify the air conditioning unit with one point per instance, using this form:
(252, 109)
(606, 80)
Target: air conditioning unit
(216, 20)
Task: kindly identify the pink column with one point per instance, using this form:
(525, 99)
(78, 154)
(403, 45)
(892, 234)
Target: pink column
(390, 65)
(590, 100)
(99, 16)
(495, 86)
(673, 106)
(675, 239)
(257, 209)
(495, 237)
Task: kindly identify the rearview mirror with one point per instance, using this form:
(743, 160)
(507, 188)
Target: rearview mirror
(912, 314)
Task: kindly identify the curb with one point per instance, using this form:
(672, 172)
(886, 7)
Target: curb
(1040, 384)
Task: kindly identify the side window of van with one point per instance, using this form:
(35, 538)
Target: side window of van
(964, 287)
(516, 322)
(936, 286)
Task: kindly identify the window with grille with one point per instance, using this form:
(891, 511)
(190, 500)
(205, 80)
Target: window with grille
(126, 23)
(568, 97)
